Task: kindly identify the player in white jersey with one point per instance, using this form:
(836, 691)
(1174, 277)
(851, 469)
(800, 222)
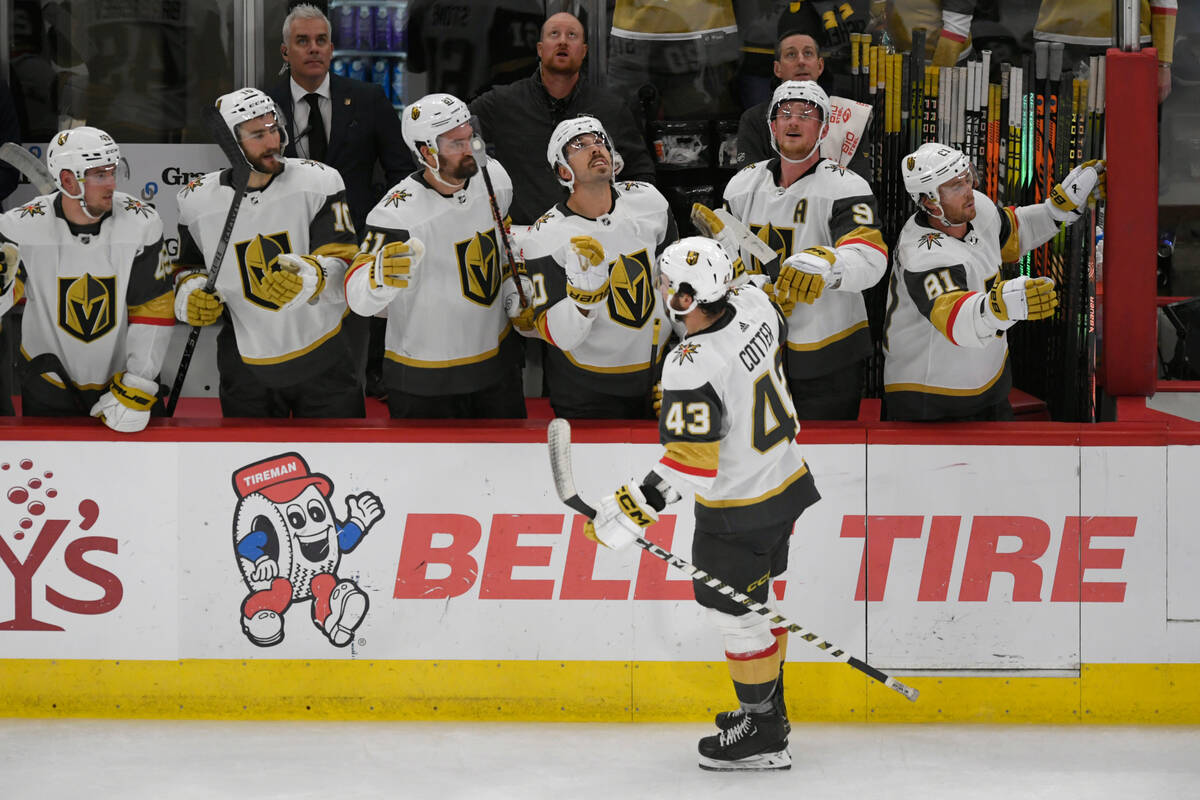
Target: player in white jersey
(283, 350)
(948, 305)
(822, 222)
(98, 296)
(449, 348)
(728, 428)
(594, 259)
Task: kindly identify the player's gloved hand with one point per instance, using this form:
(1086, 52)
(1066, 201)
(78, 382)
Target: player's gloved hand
(947, 51)
(364, 510)
(522, 318)
(394, 267)
(587, 272)
(126, 406)
(804, 276)
(621, 518)
(1020, 298)
(710, 225)
(296, 279)
(10, 257)
(781, 297)
(194, 304)
(1067, 199)
(265, 569)
(656, 398)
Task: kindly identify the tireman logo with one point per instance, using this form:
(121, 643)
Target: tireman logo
(33, 210)
(686, 352)
(289, 545)
(928, 240)
(85, 306)
(396, 198)
(33, 500)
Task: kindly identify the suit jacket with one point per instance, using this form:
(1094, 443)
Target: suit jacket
(364, 129)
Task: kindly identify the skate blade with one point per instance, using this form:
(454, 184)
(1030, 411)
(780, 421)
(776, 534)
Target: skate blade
(762, 761)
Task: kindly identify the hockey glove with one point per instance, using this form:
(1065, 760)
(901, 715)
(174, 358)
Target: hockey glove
(1020, 298)
(522, 318)
(126, 406)
(194, 304)
(295, 280)
(395, 265)
(710, 225)
(10, 257)
(587, 273)
(1067, 199)
(804, 276)
(621, 518)
(656, 398)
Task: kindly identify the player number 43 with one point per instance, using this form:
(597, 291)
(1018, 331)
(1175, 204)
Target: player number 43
(694, 418)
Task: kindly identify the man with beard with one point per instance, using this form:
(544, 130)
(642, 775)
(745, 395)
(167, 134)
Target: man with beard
(595, 255)
(518, 119)
(449, 348)
(822, 221)
(283, 350)
(949, 308)
(97, 292)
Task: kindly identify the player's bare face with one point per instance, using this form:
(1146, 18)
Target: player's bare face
(308, 51)
(958, 199)
(455, 160)
(799, 59)
(589, 158)
(796, 127)
(98, 186)
(261, 143)
(561, 48)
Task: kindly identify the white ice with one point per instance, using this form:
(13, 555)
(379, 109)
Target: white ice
(181, 760)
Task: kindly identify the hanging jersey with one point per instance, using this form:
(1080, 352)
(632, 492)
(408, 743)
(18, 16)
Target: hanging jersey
(728, 422)
(83, 291)
(1091, 23)
(951, 18)
(828, 207)
(302, 210)
(614, 356)
(447, 333)
(925, 374)
(706, 29)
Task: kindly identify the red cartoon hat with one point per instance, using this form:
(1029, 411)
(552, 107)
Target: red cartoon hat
(279, 478)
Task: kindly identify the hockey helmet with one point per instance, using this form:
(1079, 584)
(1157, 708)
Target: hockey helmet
(564, 132)
(428, 118)
(697, 265)
(246, 104)
(930, 166)
(78, 150)
(806, 92)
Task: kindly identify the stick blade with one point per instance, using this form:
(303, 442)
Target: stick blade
(558, 439)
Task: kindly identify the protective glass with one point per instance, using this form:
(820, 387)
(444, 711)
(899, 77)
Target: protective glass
(584, 141)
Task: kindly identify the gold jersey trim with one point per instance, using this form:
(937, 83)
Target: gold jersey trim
(942, 390)
(749, 501)
(828, 340)
(297, 353)
(453, 362)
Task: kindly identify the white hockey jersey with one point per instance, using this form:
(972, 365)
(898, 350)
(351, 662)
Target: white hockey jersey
(935, 278)
(609, 351)
(302, 210)
(728, 422)
(828, 207)
(101, 302)
(447, 333)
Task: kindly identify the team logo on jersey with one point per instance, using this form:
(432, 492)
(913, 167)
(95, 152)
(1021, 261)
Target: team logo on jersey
(686, 352)
(396, 198)
(479, 269)
(192, 185)
(778, 239)
(835, 167)
(537, 226)
(137, 207)
(928, 240)
(631, 293)
(87, 306)
(256, 257)
(416, 111)
(33, 210)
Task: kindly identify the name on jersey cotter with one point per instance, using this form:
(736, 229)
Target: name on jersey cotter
(758, 347)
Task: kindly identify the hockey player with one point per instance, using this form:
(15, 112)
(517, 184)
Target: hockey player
(283, 350)
(596, 257)
(948, 306)
(822, 222)
(97, 291)
(728, 428)
(450, 350)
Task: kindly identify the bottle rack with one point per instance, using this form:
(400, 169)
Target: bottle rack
(372, 43)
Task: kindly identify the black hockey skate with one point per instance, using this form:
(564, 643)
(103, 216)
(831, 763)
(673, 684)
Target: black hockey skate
(757, 741)
(729, 719)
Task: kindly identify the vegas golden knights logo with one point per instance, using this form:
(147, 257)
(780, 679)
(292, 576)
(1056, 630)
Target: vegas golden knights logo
(630, 293)
(87, 306)
(256, 257)
(479, 268)
(778, 239)
(692, 258)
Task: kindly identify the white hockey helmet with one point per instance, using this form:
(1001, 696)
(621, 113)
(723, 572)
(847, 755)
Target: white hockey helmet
(428, 118)
(246, 104)
(931, 165)
(803, 91)
(568, 129)
(699, 265)
(78, 150)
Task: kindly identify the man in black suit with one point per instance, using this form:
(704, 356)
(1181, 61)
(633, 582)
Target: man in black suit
(357, 126)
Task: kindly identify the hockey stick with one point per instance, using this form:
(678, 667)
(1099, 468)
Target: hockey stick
(28, 165)
(239, 179)
(481, 156)
(558, 437)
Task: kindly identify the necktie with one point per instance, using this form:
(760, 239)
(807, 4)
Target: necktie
(317, 142)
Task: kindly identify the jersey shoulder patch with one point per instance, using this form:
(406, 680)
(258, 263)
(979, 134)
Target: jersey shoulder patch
(690, 365)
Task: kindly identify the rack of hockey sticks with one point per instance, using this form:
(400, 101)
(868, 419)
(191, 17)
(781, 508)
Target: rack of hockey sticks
(1024, 131)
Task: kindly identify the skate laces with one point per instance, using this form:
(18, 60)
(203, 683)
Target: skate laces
(737, 732)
